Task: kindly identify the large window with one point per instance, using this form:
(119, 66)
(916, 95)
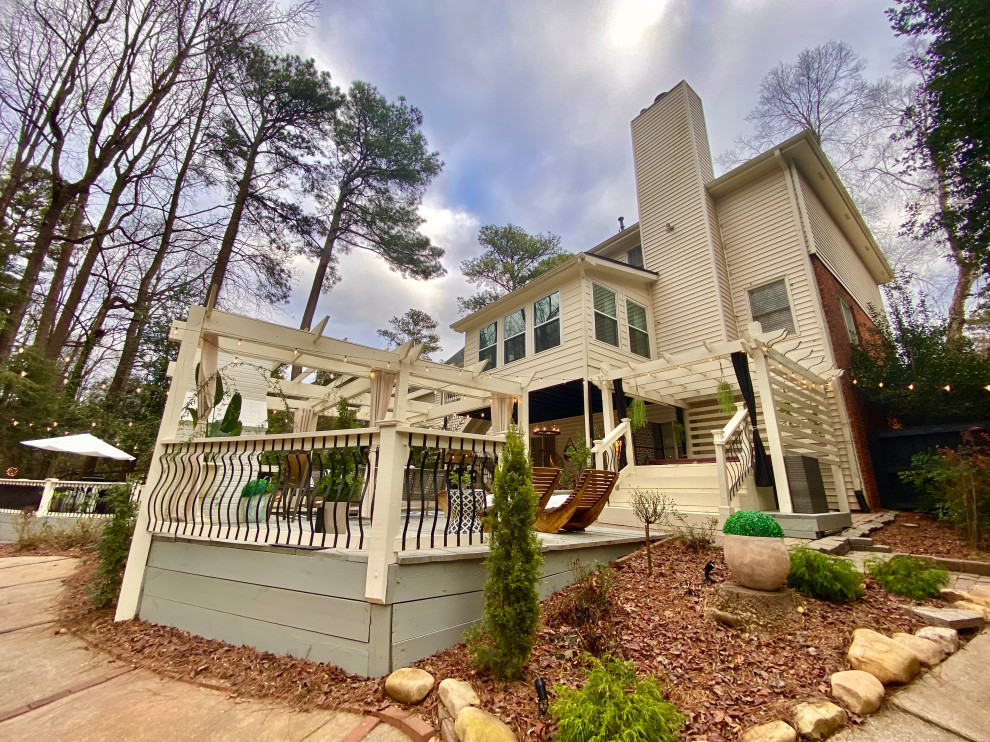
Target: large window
(771, 307)
(488, 345)
(546, 322)
(635, 256)
(515, 336)
(639, 335)
(847, 317)
(606, 316)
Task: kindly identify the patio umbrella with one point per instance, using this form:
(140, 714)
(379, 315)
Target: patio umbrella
(83, 444)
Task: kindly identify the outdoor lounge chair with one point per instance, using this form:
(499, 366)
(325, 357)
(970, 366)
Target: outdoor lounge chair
(587, 499)
(545, 481)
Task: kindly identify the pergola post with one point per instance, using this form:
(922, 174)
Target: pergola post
(524, 419)
(137, 559)
(771, 425)
(393, 453)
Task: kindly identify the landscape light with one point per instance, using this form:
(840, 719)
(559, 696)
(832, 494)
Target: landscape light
(542, 701)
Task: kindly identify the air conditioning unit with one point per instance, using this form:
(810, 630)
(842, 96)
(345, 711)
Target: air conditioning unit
(804, 476)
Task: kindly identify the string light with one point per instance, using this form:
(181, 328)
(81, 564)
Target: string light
(947, 387)
(23, 374)
(855, 381)
(15, 423)
(55, 424)
(137, 390)
(880, 385)
(65, 381)
(130, 424)
(92, 425)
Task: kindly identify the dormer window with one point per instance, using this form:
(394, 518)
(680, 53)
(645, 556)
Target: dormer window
(635, 256)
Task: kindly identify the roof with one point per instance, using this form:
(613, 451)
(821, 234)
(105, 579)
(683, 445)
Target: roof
(457, 359)
(615, 267)
(805, 152)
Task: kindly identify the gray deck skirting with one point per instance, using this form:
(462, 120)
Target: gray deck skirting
(311, 604)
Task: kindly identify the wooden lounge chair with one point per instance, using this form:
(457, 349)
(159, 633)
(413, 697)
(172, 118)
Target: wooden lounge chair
(545, 481)
(594, 498)
(594, 485)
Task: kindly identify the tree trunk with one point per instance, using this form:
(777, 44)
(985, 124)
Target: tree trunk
(325, 256)
(93, 337)
(967, 269)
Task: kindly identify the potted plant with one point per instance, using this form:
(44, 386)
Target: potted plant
(252, 507)
(755, 551)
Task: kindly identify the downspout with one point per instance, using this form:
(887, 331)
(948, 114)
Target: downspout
(584, 335)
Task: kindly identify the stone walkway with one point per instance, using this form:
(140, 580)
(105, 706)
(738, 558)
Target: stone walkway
(55, 688)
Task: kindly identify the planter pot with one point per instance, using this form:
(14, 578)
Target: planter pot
(253, 509)
(332, 517)
(757, 562)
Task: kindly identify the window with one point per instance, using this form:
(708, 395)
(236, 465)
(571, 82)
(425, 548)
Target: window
(639, 336)
(487, 345)
(515, 336)
(546, 322)
(635, 256)
(771, 307)
(847, 317)
(606, 317)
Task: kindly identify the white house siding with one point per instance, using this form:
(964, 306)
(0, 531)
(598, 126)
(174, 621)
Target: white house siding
(838, 254)
(600, 353)
(671, 191)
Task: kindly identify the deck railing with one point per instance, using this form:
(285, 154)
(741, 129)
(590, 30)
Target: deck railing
(733, 455)
(606, 451)
(56, 496)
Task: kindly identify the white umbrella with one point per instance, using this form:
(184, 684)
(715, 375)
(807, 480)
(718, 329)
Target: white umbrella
(83, 444)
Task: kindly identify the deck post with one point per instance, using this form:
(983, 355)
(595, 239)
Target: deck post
(393, 453)
(764, 387)
(524, 419)
(630, 451)
(46, 497)
(840, 489)
(137, 559)
(724, 506)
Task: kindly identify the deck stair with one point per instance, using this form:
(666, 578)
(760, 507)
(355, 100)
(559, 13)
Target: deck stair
(692, 486)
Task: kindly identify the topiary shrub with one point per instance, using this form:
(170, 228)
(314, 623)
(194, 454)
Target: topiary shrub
(615, 705)
(824, 577)
(910, 576)
(752, 523)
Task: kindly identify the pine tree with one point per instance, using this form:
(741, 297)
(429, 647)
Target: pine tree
(514, 561)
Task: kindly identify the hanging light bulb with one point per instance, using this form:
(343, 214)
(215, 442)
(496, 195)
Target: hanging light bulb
(137, 390)
(24, 373)
(92, 425)
(880, 385)
(947, 387)
(911, 387)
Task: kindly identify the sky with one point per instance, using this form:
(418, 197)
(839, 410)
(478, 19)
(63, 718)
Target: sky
(529, 105)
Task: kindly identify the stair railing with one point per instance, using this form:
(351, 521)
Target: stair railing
(606, 450)
(733, 455)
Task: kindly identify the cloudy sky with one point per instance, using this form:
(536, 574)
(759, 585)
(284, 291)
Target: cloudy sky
(529, 105)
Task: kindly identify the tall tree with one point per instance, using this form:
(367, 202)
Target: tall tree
(512, 257)
(370, 186)
(415, 325)
(950, 130)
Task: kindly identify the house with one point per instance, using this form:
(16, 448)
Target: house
(654, 313)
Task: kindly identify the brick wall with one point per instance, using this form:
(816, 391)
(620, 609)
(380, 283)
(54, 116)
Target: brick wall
(860, 418)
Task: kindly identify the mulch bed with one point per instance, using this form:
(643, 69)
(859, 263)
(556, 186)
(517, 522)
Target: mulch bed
(723, 680)
(928, 537)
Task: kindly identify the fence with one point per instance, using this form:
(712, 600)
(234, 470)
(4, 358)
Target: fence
(56, 497)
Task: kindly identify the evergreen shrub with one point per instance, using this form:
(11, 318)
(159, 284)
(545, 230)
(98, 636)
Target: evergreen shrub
(752, 523)
(910, 576)
(824, 576)
(114, 546)
(512, 603)
(615, 705)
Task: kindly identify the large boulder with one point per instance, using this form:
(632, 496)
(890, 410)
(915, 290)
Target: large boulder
(818, 719)
(858, 691)
(928, 651)
(456, 695)
(885, 659)
(948, 639)
(775, 731)
(409, 684)
(475, 725)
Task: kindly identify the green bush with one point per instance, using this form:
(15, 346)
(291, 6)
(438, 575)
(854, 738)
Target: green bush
(824, 577)
(752, 523)
(910, 576)
(512, 603)
(615, 705)
(114, 546)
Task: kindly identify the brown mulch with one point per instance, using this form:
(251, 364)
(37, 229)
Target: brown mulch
(723, 680)
(928, 537)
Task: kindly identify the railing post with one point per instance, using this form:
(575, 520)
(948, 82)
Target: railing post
(599, 455)
(630, 448)
(724, 505)
(393, 453)
(771, 426)
(46, 497)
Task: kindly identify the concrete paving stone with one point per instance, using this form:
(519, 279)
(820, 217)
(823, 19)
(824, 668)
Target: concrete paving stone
(140, 707)
(35, 663)
(951, 618)
(891, 725)
(25, 604)
(381, 733)
(36, 572)
(954, 695)
(8, 562)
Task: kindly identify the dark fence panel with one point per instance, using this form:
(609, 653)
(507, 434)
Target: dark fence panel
(892, 450)
(20, 496)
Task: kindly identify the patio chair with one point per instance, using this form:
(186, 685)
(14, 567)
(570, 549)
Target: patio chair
(588, 498)
(289, 494)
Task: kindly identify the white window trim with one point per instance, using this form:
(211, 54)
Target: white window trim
(558, 319)
(497, 354)
(617, 318)
(505, 338)
(630, 328)
(849, 321)
(790, 301)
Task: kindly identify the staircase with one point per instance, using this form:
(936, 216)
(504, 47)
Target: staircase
(693, 487)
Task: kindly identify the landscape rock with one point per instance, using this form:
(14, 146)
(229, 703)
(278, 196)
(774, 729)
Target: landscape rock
(982, 591)
(819, 719)
(950, 618)
(858, 691)
(447, 731)
(885, 659)
(974, 597)
(475, 725)
(928, 651)
(967, 605)
(409, 684)
(951, 595)
(947, 639)
(775, 731)
(456, 695)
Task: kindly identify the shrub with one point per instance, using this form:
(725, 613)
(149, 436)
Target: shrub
(910, 576)
(752, 523)
(615, 705)
(824, 577)
(512, 604)
(114, 546)
(699, 537)
(651, 506)
(589, 605)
